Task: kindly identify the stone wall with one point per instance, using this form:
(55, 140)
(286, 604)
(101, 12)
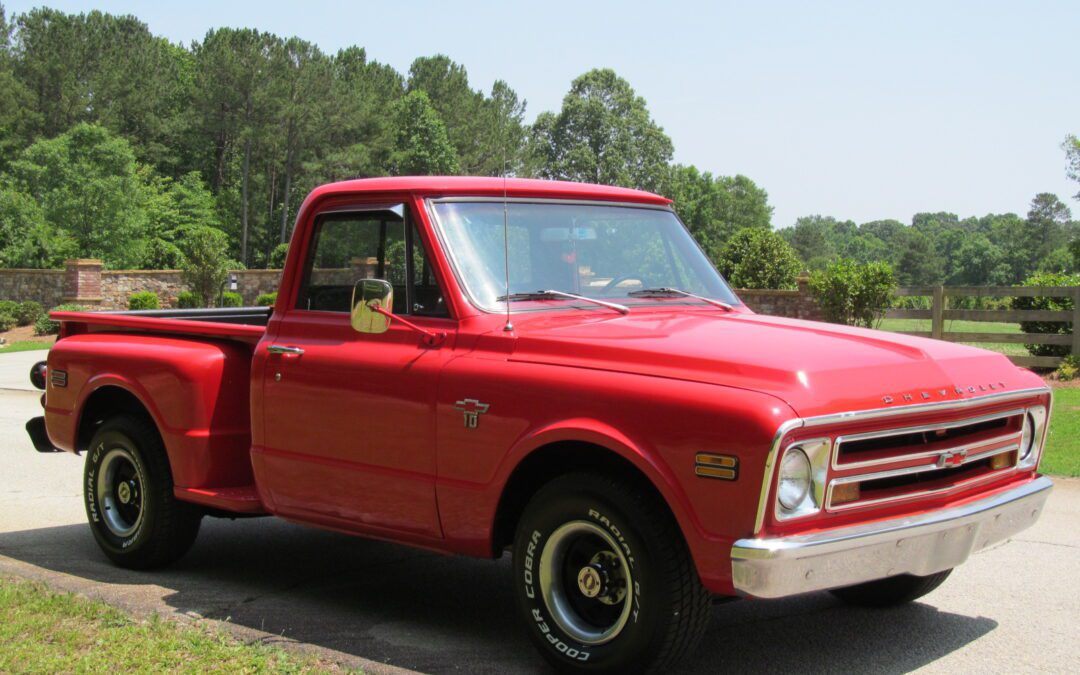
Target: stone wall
(797, 304)
(84, 282)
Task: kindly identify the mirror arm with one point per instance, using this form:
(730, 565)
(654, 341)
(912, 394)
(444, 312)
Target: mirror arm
(429, 338)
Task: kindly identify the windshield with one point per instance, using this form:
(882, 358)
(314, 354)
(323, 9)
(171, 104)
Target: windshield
(596, 251)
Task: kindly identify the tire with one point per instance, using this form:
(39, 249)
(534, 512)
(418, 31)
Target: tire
(892, 591)
(640, 607)
(128, 492)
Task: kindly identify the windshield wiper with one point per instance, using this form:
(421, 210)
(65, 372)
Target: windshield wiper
(663, 292)
(559, 295)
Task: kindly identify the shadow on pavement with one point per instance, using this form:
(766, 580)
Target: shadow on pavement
(434, 613)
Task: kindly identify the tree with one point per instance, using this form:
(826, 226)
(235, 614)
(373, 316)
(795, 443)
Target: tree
(853, 294)
(422, 147)
(715, 208)
(919, 264)
(1071, 146)
(1046, 220)
(756, 258)
(602, 134)
(206, 263)
(90, 190)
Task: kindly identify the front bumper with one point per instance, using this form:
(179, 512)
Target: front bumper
(921, 545)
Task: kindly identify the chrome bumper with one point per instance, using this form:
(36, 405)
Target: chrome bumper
(922, 545)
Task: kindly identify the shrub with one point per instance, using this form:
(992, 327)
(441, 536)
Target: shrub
(1069, 368)
(7, 322)
(28, 312)
(278, 255)
(206, 262)
(9, 307)
(758, 258)
(144, 300)
(46, 326)
(266, 299)
(187, 300)
(230, 299)
(1042, 302)
(852, 293)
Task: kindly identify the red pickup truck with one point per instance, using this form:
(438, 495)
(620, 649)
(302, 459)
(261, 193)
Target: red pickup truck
(474, 365)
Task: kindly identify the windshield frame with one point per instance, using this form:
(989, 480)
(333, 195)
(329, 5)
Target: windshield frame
(455, 267)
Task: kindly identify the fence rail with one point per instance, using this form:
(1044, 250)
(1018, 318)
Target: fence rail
(938, 314)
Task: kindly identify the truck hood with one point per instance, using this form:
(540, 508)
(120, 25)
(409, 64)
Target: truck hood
(816, 368)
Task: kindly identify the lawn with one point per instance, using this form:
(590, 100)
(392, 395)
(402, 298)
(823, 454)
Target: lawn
(1062, 455)
(958, 326)
(46, 632)
(24, 346)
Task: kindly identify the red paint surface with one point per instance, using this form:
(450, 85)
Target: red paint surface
(364, 434)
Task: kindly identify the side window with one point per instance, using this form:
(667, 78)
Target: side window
(428, 298)
(359, 245)
(349, 247)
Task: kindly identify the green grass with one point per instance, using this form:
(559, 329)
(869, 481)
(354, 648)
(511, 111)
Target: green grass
(24, 346)
(46, 632)
(958, 326)
(1062, 454)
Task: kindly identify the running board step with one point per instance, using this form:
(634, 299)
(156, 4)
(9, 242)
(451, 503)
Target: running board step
(234, 499)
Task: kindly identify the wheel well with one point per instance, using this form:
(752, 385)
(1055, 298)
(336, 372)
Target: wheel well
(551, 461)
(105, 403)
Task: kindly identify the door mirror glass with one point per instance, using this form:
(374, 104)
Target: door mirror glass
(369, 293)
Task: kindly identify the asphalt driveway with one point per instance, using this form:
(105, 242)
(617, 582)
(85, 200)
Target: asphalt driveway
(1015, 607)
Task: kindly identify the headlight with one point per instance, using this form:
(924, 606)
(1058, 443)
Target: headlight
(794, 481)
(1027, 437)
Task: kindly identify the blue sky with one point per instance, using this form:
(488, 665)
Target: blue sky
(860, 110)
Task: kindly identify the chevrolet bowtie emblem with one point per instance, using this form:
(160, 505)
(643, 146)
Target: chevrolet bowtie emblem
(951, 458)
(472, 410)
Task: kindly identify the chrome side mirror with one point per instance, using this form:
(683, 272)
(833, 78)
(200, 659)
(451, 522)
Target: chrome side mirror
(367, 295)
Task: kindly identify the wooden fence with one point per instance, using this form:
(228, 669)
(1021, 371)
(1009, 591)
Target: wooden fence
(938, 314)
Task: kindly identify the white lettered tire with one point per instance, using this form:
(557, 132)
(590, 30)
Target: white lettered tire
(603, 579)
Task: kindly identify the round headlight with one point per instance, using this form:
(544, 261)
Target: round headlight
(794, 482)
(1027, 437)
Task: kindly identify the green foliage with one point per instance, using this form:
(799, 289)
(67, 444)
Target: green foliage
(187, 300)
(9, 307)
(206, 263)
(266, 299)
(851, 293)
(422, 147)
(602, 134)
(1069, 368)
(144, 300)
(1071, 146)
(7, 322)
(231, 299)
(278, 256)
(715, 208)
(28, 312)
(1047, 303)
(758, 258)
(46, 326)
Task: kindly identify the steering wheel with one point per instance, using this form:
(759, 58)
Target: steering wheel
(624, 277)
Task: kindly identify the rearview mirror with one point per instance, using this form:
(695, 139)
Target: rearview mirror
(368, 293)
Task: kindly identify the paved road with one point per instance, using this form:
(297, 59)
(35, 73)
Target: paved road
(1013, 608)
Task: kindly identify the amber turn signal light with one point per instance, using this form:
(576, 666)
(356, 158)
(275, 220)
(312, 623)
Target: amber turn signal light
(845, 493)
(725, 467)
(1003, 461)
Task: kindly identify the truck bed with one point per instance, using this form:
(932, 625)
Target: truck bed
(244, 323)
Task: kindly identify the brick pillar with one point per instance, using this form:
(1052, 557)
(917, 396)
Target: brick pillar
(82, 282)
(808, 308)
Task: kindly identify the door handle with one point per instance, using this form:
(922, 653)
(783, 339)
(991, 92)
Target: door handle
(281, 349)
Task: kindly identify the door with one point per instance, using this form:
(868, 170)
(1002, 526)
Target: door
(349, 417)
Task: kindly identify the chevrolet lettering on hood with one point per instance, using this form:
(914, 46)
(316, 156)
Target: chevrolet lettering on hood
(944, 393)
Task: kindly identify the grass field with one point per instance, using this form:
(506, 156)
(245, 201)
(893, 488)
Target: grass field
(957, 326)
(1062, 455)
(24, 346)
(46, 632)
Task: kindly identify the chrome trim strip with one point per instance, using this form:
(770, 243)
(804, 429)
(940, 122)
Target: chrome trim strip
(875, 413)
(900, 431)
(498, 199)
(922, 544)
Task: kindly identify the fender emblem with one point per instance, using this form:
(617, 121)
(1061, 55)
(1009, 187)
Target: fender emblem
(472, 409)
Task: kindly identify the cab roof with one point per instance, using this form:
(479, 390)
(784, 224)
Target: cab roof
(434, 186)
